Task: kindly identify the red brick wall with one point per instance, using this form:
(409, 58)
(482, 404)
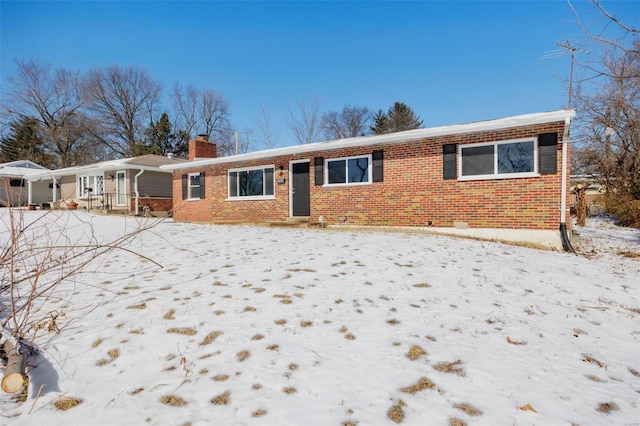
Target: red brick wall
(155, 204)
(413, 192)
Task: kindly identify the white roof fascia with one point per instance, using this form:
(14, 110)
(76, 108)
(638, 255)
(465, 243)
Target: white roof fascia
(110, 167)
(392, 138)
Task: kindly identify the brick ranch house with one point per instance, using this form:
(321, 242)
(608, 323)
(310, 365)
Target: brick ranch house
(504, 179)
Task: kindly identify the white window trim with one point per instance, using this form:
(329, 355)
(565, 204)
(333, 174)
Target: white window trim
(190, 198)
(121, 201)
(369, 171)
(252, 197)
(534, 173)
(81, 195)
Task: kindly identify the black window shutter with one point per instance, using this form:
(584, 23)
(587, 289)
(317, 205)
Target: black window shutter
(378, 168)
(318, 169)
(201, 185)
(548, 153)
(449, 165)
(185, 186)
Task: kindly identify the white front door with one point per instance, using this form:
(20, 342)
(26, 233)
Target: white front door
(121, 189)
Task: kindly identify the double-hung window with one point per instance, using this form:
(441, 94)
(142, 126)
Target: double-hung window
(195, 185)
(499, 160)
(90, 185)
(349, 171)
(252, 183)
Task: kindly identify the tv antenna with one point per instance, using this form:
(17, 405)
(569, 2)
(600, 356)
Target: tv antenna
(566, 48)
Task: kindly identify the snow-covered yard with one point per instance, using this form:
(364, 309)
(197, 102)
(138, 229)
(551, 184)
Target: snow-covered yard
(248, 325)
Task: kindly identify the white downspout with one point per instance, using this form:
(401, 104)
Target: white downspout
(135, 189)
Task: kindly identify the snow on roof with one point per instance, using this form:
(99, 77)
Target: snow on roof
(144, 162)
(409, 135)
(21, 168)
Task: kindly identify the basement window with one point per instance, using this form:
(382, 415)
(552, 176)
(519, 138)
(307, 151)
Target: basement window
(348, 171)
(253, 183)
(499, 160)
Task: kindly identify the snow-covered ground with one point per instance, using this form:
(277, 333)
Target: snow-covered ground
(249, 325)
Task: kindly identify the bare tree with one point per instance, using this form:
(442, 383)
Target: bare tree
(608, 125)
(120, 99)
(36, 259)
(55, 99)
(214, 112)
(185, 106)
(350, 122)
(305, 125)
(266, 133)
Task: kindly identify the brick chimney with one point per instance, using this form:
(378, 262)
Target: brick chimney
(202, 148)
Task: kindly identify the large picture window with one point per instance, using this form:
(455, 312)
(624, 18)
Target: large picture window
(90, 186)
(498, 160)
(251, 183)
(349, 171)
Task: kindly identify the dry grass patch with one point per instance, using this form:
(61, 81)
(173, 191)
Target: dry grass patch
(516, 342)
(593, 378)
(468, 408)
(415, 352)
(306, 323)
(114, 354)
(628, 253)
(280, 321)
(606, 407)
(349, 423)
(338, 301)
(257, 337)
(209, 338)
(634, 372)
(102, 362)
(182, 330)
(67, 403)
(169, 314)
(222, 399)
(172, 400)
(422, 285)
(259, 413)
(221, 378)
(454, 421)
(393, 321)
(138, 306)
(136, 391)
(293, 366)
(343, 329)
(454, 367)
(396, 413)
(256, 386)
(422, 384)
(218, 312)
(289, 390)
(96, 343)
(259, 290)
(591, 360)
(243, 355)
(286, 301)
(301, 270)
(349, 336)
(250, 309)
(273, 347)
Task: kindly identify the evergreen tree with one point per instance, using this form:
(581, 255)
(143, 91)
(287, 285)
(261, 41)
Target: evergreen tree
(160, 140)
(25, 143)
(399, 117)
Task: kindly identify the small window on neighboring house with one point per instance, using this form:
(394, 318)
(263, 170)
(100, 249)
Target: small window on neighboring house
(349, 171)
(498, 160)
(17, 182)
(251, 183)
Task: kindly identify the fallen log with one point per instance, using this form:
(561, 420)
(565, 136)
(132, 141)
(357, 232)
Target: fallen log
(14, 372)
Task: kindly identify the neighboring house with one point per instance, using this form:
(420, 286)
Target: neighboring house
(594, 192)
(129, 184)
(15, 189)
(501, 179)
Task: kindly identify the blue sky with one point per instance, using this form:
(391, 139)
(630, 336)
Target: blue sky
(452, 62)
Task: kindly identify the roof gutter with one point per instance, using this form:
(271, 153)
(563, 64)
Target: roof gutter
(566, 242)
